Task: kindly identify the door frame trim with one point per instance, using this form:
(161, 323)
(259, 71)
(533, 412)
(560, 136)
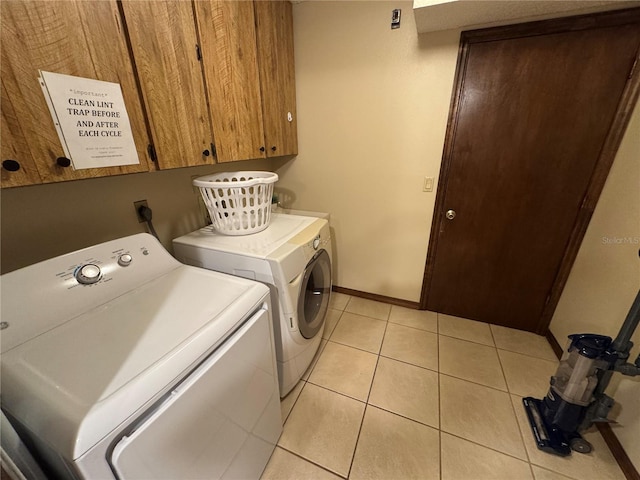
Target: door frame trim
(614, 137)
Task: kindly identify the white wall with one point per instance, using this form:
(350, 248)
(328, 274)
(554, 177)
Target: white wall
(605, 277)
(372, 108)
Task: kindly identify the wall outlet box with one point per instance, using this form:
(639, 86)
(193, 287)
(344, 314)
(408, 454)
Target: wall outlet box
(137, 206)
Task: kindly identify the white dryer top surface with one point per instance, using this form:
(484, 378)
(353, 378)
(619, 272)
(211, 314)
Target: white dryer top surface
(76, 382)
(282, 228)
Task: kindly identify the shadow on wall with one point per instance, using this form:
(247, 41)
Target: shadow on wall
(43, 221)
(434, 40)
(285, 197)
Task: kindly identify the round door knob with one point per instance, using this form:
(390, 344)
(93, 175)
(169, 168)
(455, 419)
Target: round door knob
(262, 149)
(10, 165)
(273, 149)
(451, 214)
(88, 274)
(63, 162)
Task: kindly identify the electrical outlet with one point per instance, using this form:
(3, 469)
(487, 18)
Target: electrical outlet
(137, 205)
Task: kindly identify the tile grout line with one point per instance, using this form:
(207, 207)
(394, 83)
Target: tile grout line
(475, 383)
(510, 455)
(414, 328)
(438, 366)
(513, 410)
(527, 355)
(439, 398)
(466, 340)
(547, 469)
(401, 416)
(365, 316)
(310, 461)
(338, 393)
(351, 346)
(504, 375)
(334, 327)
(294, 404)
(440, 456)
(366, 403)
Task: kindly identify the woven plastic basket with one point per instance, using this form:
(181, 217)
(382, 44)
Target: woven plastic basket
(239, 203)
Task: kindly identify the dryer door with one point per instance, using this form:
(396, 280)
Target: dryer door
(221, 422)
(314, 295)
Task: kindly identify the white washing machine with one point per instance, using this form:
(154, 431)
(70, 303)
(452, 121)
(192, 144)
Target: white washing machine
(293, 257)
(120, 362)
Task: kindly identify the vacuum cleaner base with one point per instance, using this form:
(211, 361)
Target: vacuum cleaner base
(548, 438)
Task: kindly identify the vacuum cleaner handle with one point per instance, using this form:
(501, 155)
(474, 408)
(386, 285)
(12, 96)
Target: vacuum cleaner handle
(622, 344)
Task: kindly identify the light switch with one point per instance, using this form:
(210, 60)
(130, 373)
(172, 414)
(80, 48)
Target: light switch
(428, 184)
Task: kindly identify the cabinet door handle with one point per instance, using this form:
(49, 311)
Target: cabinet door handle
(273, 149)
(262, 149)
(206, 153)
(11, 165)
(63, 162)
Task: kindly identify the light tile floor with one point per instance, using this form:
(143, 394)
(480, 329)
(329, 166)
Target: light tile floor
(395, 393)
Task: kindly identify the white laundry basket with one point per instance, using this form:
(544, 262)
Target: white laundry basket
(239, 203)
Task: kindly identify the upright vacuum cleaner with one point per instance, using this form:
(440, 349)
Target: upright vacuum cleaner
(576, 398)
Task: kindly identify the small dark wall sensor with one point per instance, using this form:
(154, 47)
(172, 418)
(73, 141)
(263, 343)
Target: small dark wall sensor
(395, 18)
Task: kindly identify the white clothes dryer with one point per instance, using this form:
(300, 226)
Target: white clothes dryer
(293, 257)
(118, 362)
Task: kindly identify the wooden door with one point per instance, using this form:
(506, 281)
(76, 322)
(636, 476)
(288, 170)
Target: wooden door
(165, 50)
(72, 37)
(536, 115)
(228, 43)
(274, 32)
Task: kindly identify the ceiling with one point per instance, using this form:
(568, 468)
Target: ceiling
(435, 15)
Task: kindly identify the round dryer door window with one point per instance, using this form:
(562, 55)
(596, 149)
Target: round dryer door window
(314, 295)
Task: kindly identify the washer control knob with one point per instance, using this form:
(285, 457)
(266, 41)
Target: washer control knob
(125, 260)
(316, 242)
(88, 274)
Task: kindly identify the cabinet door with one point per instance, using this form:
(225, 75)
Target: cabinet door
(274, 31)
(228, 41)
(13, 145)
(72, 37)
(163, 40)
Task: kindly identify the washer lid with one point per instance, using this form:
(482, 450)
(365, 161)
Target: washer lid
(76, 383)
(281, 228)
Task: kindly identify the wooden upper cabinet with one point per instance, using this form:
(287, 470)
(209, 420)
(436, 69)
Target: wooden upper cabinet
(72, 37)
(228, 42)
(18, 168)
(164, 44)
(247, 50)
(274, 32)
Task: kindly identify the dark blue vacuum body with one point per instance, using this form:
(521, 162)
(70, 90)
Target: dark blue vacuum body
(576, 398)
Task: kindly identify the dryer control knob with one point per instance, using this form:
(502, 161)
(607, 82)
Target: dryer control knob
(125, 260)
(88, 274)
(316, 242)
